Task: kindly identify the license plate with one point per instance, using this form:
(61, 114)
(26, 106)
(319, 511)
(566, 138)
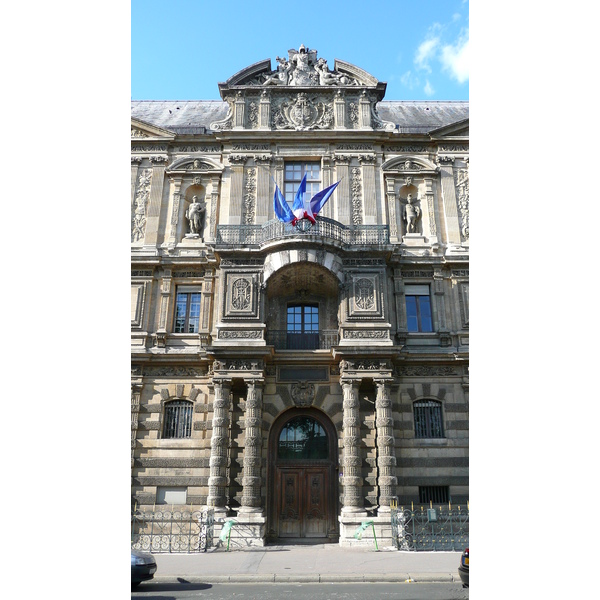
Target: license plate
(466, 561)
(152, 570)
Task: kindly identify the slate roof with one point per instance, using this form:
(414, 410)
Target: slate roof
(195, 116)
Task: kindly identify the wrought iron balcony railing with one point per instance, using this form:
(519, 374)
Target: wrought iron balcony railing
(319, 340)
(324, 229)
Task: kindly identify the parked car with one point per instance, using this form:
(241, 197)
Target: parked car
(143, 567)
(463, 568)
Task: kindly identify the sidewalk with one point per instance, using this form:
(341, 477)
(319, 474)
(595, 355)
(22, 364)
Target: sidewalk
(308, 564)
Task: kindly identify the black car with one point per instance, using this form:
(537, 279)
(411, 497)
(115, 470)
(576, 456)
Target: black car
(143, 567)
(463, 568)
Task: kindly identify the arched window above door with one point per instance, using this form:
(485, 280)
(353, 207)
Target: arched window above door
(302, 438)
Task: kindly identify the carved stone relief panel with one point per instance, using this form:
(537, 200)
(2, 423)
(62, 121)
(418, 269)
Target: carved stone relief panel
(250, 197)
(461, 182)
(365, 301)
(241, 296)
(140, 208)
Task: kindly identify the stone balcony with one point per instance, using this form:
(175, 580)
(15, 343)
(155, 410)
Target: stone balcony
(325, 230)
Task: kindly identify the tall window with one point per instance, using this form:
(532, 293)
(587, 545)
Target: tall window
(178, 419)
(428, 419)
(418, 308)
(303, 327)
(187, 310)
(294, 172)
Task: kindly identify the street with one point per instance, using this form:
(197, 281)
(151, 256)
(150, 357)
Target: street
(300, 591)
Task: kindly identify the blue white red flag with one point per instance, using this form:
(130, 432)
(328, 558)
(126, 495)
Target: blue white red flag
(302, 208)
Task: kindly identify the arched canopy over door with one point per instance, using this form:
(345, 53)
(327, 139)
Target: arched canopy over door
(303, 477)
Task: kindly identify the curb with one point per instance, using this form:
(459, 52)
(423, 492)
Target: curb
(312, 578)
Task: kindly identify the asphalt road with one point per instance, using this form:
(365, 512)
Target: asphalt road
(302, 591)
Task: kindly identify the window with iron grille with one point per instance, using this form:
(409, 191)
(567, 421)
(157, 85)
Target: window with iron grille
(187, 310)
(178, 419)
(303, 327)
(437, 494)
(294, 172)
(428, 419)
(418, 308)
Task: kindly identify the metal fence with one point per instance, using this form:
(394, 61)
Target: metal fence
(324, 228)
(172, 531)
(436, 527)
(285, 340)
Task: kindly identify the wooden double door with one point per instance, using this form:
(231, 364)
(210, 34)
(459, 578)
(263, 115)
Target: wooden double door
(303, 501)
(303, 484)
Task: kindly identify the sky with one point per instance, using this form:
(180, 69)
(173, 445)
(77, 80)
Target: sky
(421, 49)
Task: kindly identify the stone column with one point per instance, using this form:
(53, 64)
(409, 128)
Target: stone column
(165, 296)
(339, 110)
(236, 188)
(364, 111)
(264, 197)
(159, 165)
(352, 481)
(175, 193)
(136, 391)
(239, 112)
(219, 444)
(251, 496)
(391, 204)
(386, 458)
(328, 209)
(367, 162)
(342, 168)
(135, 163)
(449, 199)
(264, 112)
(211, 215)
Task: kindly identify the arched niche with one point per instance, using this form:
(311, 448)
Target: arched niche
(306, 294)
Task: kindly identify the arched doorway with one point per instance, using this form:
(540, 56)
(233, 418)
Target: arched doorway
(303, 486)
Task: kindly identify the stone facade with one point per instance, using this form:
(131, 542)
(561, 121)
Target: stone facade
(220, 373)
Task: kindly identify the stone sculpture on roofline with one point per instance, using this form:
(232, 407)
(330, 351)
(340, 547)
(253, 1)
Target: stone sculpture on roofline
(304, 69)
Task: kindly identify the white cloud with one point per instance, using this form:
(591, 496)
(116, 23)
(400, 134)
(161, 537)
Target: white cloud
(455, 58)
(425, 52)
(409, 80)
(428, 89)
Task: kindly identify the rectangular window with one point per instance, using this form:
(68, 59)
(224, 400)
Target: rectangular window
(437, 494)
(418, 308)
(187, 310)
(303, 327)
(294, 172)
(428, 419)
(171, 495)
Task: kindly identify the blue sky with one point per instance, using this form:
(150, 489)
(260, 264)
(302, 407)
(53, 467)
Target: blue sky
(181, 49)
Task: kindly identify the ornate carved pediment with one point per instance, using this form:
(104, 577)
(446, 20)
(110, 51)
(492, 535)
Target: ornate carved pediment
(302, 68)
(190, 164)
(143, 131)
(409, 165)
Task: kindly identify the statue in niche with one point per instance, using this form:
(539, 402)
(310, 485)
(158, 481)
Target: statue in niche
(411, 214)
(195, 215)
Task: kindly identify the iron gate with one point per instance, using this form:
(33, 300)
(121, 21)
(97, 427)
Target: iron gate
(430, 529)
(172, 531)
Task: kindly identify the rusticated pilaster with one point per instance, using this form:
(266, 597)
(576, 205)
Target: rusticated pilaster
(219, 442)
(386, 459)
(136, 391)
(352, 479)
(251, 497)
